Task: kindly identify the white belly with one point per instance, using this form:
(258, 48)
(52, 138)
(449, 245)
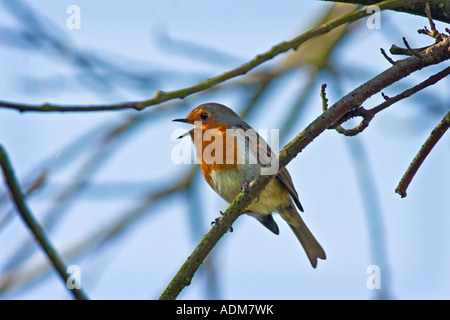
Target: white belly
(228, 184)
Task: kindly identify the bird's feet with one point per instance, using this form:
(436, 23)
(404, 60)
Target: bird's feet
(216, 220)
(245, 187)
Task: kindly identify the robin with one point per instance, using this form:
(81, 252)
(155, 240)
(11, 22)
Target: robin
(229, 161)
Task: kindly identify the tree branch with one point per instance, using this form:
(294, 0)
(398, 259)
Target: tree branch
(429, 144)
(430, 81)
(440, 9)
(32, 224)
(368, 115)
(162, 96)
(36, 185)
(433, 55)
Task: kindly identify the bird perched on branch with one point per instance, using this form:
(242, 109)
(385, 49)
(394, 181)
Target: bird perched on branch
(232, 155)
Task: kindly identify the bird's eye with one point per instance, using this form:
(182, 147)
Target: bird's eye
(204, 116)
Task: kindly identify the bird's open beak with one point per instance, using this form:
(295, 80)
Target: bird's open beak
(186, 134)
(185, 121)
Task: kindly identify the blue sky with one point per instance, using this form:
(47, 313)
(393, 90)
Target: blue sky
(250, 263)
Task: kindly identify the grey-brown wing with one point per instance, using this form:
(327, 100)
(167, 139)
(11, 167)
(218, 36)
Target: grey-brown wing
(283, 176)
(286, 180)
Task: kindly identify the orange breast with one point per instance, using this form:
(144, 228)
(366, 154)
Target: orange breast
(216, 152)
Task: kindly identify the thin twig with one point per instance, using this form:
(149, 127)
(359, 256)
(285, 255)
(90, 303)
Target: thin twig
(33, 225)
(387, 57)
(360, 127)
(411, 50)
(162, 96)
(433, 33)
(358, 112)
(430, 81)
(324, 97)
(368, 115)
(404, 51)
(430, 19)
(36, 185)
(429, 144)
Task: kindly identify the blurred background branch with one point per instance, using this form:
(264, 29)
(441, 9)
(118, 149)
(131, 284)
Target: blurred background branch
(162, 96)
(32, 224)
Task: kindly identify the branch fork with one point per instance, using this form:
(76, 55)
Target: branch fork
(420, 53)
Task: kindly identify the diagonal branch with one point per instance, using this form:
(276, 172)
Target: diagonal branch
(36, 185)
(434, 137)
(409, 92)
(162, 96)
(32, 224)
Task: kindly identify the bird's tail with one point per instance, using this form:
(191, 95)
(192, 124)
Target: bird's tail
(312, 248)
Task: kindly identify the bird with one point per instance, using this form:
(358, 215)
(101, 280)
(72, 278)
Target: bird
(230, 159)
